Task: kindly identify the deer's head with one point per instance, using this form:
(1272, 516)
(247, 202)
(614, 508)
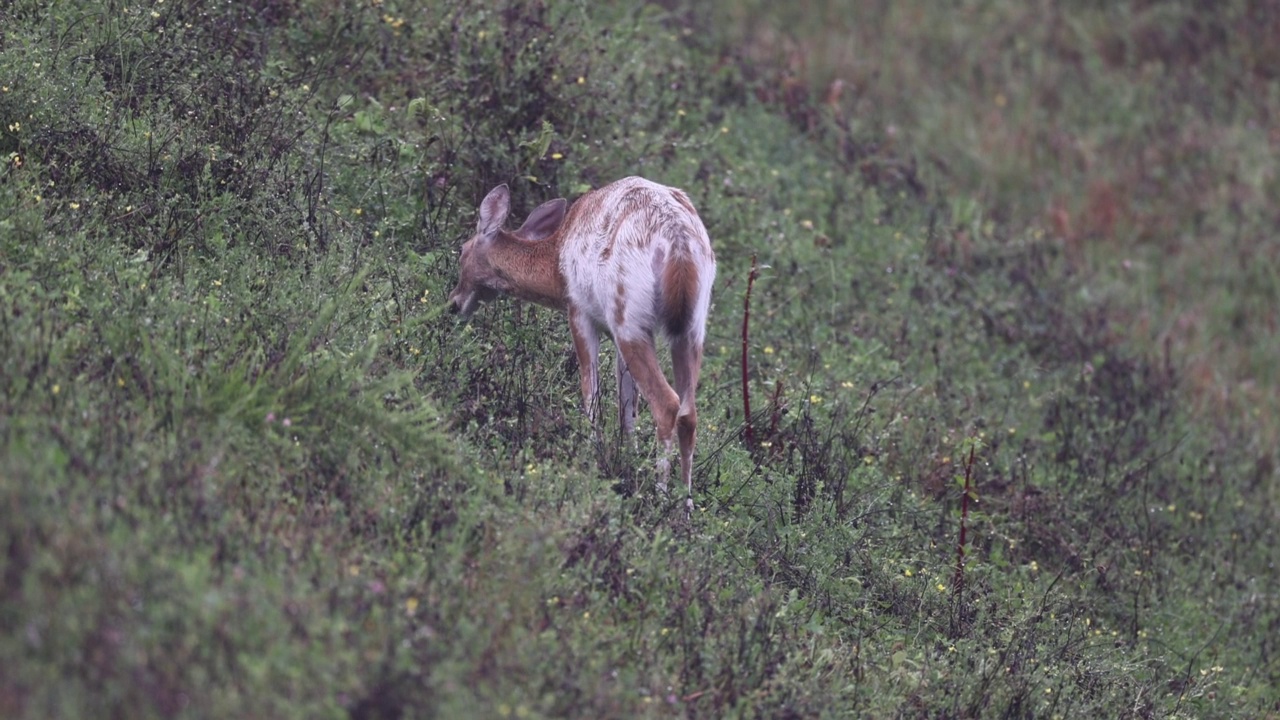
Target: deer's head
(481, 272)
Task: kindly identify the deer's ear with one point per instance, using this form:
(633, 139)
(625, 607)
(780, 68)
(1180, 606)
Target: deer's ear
(493, 211)
(544, 220)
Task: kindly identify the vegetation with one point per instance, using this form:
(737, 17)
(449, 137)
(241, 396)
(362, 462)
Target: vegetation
(1141, 135)
(249, 468)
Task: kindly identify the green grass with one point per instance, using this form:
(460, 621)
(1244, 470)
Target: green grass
(1141, 136)
(251, 469)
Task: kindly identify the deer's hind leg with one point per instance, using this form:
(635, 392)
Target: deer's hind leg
(664, 403)
(686, 361)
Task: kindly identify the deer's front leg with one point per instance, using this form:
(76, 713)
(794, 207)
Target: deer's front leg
(586, 344)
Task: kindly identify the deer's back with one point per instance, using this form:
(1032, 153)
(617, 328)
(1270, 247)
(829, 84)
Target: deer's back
(618, 243)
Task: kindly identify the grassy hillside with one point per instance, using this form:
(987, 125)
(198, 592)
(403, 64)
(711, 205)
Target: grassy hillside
(1141, 135)
(250, 468)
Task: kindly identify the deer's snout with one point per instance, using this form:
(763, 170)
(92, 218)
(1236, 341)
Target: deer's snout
(462, 302)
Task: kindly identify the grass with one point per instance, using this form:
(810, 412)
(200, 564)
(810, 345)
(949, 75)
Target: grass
(1141, 136)
(250, 468)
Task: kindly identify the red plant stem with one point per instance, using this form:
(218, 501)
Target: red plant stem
(964, 519)
(749, 432)
(777, 409)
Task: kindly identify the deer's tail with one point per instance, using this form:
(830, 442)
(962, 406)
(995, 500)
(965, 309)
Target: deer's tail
(680, 291)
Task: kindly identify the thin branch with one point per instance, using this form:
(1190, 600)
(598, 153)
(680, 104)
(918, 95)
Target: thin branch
(748, 430)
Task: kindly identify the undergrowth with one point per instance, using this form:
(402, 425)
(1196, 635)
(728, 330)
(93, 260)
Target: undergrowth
(251, 469)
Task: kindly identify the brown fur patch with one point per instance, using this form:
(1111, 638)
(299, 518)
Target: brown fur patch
(620, 305)
(684, 201)
(619, 224)
(679, 292)
(606, 227)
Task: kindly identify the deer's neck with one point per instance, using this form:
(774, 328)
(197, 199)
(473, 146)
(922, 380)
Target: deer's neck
(531, 269)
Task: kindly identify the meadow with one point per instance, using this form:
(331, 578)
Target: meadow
(998, 285)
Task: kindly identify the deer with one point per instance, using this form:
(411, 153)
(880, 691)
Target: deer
(630, 260)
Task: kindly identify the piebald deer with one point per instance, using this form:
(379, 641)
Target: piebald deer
(631, 259)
